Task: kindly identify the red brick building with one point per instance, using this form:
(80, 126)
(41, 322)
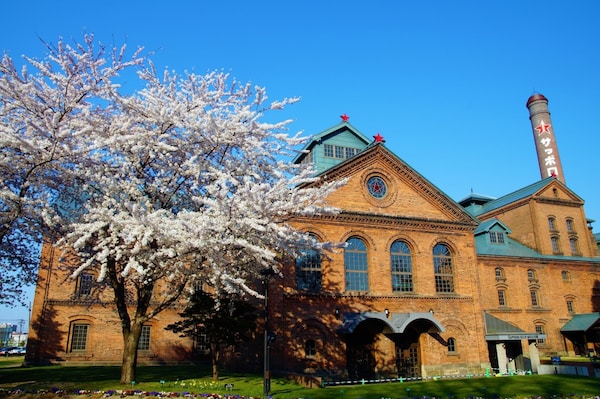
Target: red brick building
(425, 285)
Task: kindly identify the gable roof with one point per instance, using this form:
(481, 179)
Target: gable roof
(486, 226)
(525, 192)
(377, 151)
(327, 134)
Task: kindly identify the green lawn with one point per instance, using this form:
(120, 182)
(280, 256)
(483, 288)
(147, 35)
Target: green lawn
(197, 380)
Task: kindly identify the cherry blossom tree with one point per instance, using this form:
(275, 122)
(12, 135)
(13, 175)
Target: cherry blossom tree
(178, 183)
(40, 119)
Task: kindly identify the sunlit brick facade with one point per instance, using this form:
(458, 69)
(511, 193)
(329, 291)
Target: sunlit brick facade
(425, 286)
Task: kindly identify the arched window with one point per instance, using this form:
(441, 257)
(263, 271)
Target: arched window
(308, 270)
(570, 227)
(401, 261)
(531, 275)
(566, 276)
(551, 223)
(355, 264)
(499, 273)
(443, 269)
(310, 348)
(574, 246)
(451, 345)
(555, 244)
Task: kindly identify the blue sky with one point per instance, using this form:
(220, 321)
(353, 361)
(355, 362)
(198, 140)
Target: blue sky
(445, 82)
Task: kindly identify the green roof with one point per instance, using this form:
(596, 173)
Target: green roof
(515, 196)
(494, 325)
(581, 322)
(342, 135)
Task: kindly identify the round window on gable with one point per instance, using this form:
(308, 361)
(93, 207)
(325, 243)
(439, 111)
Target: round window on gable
(377, 187)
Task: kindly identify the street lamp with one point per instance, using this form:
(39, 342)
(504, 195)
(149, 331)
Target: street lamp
(268, 338)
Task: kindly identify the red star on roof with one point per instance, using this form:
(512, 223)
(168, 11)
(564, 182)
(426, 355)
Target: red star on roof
(345, 117)
(543, 127)
(378, 138)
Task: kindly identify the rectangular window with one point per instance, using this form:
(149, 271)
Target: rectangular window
(570, 307)
(540, 330)
(85, 284)
(339, 152)
(144, 342)
(79, 338)
(573, 245)
(350, 152)
(569, 225)
(555, 245)
(534, 298)
(202, 343)
(501, 298)
(328, 150)
(496, 237)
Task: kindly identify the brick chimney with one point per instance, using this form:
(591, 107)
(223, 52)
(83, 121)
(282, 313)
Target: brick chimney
(545, 140)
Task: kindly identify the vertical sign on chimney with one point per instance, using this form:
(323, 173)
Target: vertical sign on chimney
(545, 141)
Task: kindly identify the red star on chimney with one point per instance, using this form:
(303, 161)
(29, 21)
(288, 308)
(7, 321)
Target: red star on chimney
(378, 138)
(344, 117)
(543, 127)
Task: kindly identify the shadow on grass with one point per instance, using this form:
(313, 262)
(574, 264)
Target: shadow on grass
(197, 379)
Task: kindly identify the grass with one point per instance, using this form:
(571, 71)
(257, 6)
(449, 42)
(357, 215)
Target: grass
(197, 380)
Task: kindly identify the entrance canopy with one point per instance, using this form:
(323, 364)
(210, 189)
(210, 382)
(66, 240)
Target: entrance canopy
(580, 323)
(500, 330)
(396, 323)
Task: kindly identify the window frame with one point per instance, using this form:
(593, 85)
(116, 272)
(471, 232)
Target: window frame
(442, 259)
(309, 269)
(356, 265)
(310, 349)
(401, 267)
(555, 243)
(499, 274)
(79, 337)
(551, 223)
(534, 297)
(502, 297)
(145, 338)
(496, 237)
(570, 225)
(451, 345)
(540, 329)
(84, 284)
(574, 246)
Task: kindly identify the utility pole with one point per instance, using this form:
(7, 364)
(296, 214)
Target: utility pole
(268, 338)
(266, 370)
(21, 322)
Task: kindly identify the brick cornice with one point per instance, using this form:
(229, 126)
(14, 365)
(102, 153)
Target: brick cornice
(406, 223)
(366, 295)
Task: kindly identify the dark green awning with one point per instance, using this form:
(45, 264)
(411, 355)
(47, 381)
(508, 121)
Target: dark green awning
(499, 330)
(581, 322)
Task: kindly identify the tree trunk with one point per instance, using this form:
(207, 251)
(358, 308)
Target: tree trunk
(131, 336)
(215, 354)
